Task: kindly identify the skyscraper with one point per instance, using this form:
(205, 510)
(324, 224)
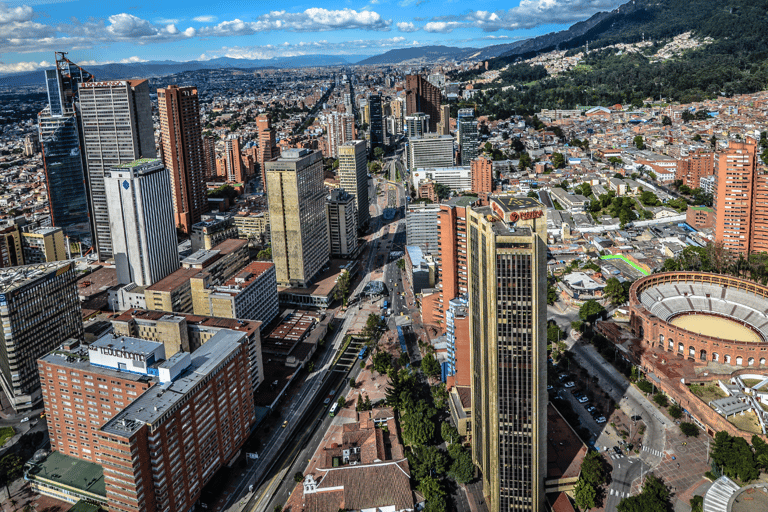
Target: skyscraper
(341, 129)
(417, 124)
(507, 324)
(422, 96)
(232, 161)
(183, 153)
(60, 141)
(209, 153)
(444, 126)
(482, 178)
(117, 128)
(353, 177)
(377, 127)
(268, 148)
(735, 181)
(296, 197)
(141, 220)
(467, 131)
(342, 224)
(39, 309)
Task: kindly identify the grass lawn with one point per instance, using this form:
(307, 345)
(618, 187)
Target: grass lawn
(747, 422)
(751, 382)
(5, 434)
(707, 393)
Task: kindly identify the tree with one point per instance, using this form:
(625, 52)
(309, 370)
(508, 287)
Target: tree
(675, 411)
(558, 160)
(352, 383)
(551, 294)
(593, 469)
(10, 469)
(653, 498)
(666, 121)
(265, 254)
(342, 288)
(591, 311)
(661, 399)
(616, 291)
(433, 493)
(382, 362)
(689, 429)
(525, 160)
(734, 457)
(342, 402)
(442, 191)
(417, 422)
(428, 461)
(449, 433)
(462, 469)
(378, 153)
(401, 264)
(638, 141)
(585, 495)
(430, 366)
(298, 477)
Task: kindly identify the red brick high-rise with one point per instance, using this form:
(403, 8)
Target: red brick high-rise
(268, 148)
(183, 153)
(734, 200)
(422, 96)
(698, 164)
(209, 152)
(482, 178)
(233, 170)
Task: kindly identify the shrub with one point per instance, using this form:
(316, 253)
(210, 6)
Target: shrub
(645, 386)
(661, 399)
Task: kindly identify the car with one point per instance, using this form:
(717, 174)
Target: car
(326, 401)
(549, 387)
(637, 417)
(583, 400)
(569, 384)
(617, 450)
(24, 419)
(600, 420)
(333, 392)
(591, 408)
(285, 423)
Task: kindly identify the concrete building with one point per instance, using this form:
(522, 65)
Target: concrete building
(457, 335)
(253, 225)
(166, 425)
(421, 268)
(63, 160)
(342, 224)
(466, 129)
(117, 129)
(455, 178)
(378, 129)
(211, 231)
(444, 126)
(143, 243)
(507, 255)
(230, 165)
(39, 308)
(420, 222)
(43, 245)
(180, 332)
(353, 177)
(268, 148)
(341, 129)
(417, 124)
(694, 166)
(707, 184)
(183, 153)
(422, 96)
(297, 216)
(11, 252)
(430, 151)
(734, 201)
(209, 154)
(251, 294)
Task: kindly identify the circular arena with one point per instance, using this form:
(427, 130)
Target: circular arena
(703, 317)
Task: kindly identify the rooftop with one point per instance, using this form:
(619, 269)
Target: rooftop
(461, 201)
(67, 471)
(247, 326)
(151, 407)
(13, 278)
(174, 280)
(512, 203)
(125, 344)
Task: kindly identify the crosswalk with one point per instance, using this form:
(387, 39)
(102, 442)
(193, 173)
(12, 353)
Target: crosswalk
(657, 453)
(617, 456)
(620, 494)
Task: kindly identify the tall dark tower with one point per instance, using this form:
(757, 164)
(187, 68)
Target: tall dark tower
(422, 96)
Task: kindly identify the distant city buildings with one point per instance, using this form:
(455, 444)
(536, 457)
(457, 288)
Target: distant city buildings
(230, 166)
(341, 129)
(298, 224)
(183, 154)
(417, 124)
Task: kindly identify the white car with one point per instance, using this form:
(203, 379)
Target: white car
(591, 408)
(569, 384)
(600, 420)
(24, 419)
(583, 399)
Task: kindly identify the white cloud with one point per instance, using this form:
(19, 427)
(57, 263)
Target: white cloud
(286, 49)
(205, 19)
(18, 67)
(133, 59)
(315, 19)
(14, 14)
(407, 27)
(533, 13)
(443, 27)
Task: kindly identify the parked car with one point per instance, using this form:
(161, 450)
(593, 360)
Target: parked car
(591, 408)
(600, 420)
(326, 401)
(569, 384)
(617, 450)
(583, 400)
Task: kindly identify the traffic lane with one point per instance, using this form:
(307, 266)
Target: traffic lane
(624, 473)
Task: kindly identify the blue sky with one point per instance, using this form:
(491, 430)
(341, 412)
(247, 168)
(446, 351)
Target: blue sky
(95, 32)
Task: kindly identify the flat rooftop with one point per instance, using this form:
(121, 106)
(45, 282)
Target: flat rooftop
(174, 280)
(247, 326)
(154, 403)
(512, 203)
(323, 285)
(565, 451)
(67, 471)
(249, 274)
(126, 344)
(293, 327)
(13, 278)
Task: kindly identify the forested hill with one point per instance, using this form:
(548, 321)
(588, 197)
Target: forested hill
(734, 63)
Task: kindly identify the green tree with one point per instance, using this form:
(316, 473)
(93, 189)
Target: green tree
(462, 469)
(298, 477)
(382, 362)
(525, 160)
(558, 160)
(430, 366)
(591, 311)
(675, 411)
(433, 493)
(442, 191)
(342, 288)
(342, 402)
(417, 422)
(585, 495)
(554, 332)
(639, 143)
(551, 293)
(401, 264)
(697, 503)
(734, 457)
(449, 433)
(378, 153)
(428, 461)
(666, 121)
(661, 399)
(653, 498)
(265, 254)
(593, 469)
(689, 429)
(615, 291)
(10, 469)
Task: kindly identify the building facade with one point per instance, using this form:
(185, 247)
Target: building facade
(482, 178)
(444, 126)
(183, 154)
(694, 166)
(377, 127)
(342, 224)
(43, 245)
(735, 182)
(298, 231)
(417, 124)
(466, 128)
(507, 322)
(455, 178)
(117, 128)
(144, 243)
(353, 177)
(430, 151)
(420, 222)
(422, 96)
(210, 232)
(230, 166)
(341, 129)
(39, 309)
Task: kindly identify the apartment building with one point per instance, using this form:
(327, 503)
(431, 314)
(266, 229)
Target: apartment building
(212, 231)
(422, 96)
(733, 199)
(342, 224)
(420, 222)
(353, 177)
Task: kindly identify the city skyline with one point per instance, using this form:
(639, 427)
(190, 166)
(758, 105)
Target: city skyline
(104, 33)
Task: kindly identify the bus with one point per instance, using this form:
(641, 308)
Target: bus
(334, 408)
(361, 355)
(386, 304)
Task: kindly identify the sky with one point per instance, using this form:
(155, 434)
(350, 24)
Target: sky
(96, 32)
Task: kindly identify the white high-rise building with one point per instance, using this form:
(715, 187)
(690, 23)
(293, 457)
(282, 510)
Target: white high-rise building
(117, 129)
(341, 129)
(353, 177)
(430, 151)
(141, 221)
